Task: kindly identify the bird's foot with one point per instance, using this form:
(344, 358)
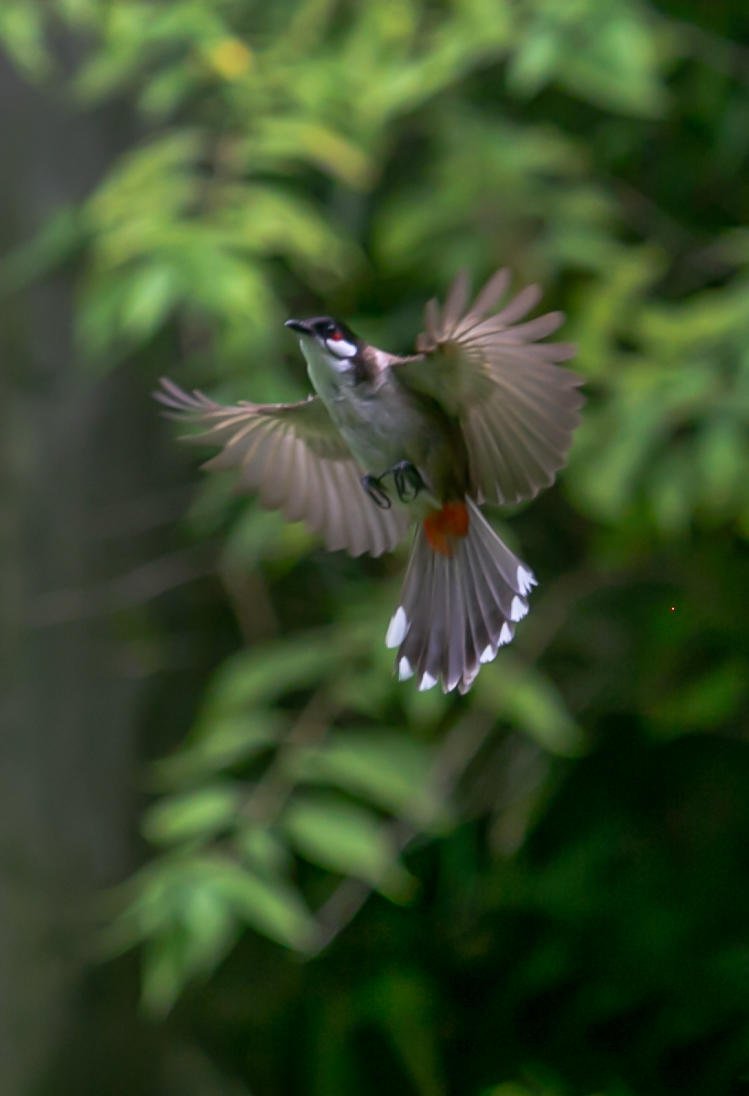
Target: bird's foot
(407, 479)
(377, 493)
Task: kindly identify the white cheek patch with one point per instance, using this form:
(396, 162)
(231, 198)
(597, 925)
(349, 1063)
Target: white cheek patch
(341, 348)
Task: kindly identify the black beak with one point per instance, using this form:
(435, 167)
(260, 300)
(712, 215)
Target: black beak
(299, 325)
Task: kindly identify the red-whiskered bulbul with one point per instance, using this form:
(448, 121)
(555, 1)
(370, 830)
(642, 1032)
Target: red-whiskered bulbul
(480, 413)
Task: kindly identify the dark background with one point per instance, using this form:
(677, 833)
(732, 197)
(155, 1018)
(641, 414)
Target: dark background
(235, 856)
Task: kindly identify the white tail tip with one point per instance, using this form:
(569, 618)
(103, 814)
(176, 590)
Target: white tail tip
(397, 628)
(405, 669)
(518, 609)
(427, 682)
(526, 580)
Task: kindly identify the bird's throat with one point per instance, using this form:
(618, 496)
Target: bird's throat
(324, 370)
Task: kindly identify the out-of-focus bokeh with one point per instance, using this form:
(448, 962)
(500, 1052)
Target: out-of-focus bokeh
(238, 857)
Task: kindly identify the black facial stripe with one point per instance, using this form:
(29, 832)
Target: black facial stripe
(325, 327)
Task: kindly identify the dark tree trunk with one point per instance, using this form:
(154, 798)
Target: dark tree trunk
(70, 685)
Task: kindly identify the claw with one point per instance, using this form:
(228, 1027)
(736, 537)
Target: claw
(408, 481)
(378, 494)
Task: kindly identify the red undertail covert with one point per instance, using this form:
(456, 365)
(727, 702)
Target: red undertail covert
(442, 525)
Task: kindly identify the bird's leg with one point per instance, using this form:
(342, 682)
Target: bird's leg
(408, 481)
(377, 493)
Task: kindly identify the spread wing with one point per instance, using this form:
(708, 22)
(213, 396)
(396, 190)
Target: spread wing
(517, 408)
(293, 456)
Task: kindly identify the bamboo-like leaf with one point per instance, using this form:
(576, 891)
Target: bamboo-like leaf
(255, 677)
(219, 743)
(23, 33)
(270, 905)
(389, 769)
(198, 814)
(531, 703)
(345, 838)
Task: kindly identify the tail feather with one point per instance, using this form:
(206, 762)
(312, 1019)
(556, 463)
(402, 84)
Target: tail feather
(479, 592)
(426, 646)
(457, 610)
(433, 659)
(461, 652)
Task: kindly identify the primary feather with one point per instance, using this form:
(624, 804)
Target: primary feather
(292, 455)
(517, 409)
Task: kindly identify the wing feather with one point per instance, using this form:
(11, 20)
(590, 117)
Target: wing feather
(298, 486)
(516, 406)
(492, 292)
(292, 455)
(457, 299)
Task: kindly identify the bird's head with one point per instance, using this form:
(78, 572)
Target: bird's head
(329, 339)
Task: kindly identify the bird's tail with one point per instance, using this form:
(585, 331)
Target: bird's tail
(463, 593)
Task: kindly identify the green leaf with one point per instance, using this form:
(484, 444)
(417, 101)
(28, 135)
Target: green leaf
(166, 91)
(705, 318)
(530, 702)
(22, 32)
(707, 701)
(618, 66)
(268, 904)
(402, 1003)
(217, 744)
(60, 236)
(163, 973)
(672, 490)
(151, 294)
(209, 928)
(266, 854)
(533, 65)
(274, 221)
(345, 838)
(289, 138)
(148, 182)
(389, 769)
(199, 814)
(232, 287)
(185, 924)
(723, 459)
(97, 321)
(266, 535)
(608, 54)
(614, 446)
(612, 302)
(254, 678)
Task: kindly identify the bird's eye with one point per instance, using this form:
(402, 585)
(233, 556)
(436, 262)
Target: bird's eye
(335, 334)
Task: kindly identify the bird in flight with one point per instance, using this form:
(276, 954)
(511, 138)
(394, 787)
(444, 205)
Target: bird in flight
(480, 413)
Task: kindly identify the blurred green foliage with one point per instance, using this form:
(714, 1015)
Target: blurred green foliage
(554, 874)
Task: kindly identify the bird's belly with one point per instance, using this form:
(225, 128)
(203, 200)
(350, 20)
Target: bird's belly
(389, 426)
(375, 452)
(375, 438)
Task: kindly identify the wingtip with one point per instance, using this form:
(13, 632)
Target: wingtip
(170, 397)
(494, 289)
(178, 402)
(164, 388)
(457, 299)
